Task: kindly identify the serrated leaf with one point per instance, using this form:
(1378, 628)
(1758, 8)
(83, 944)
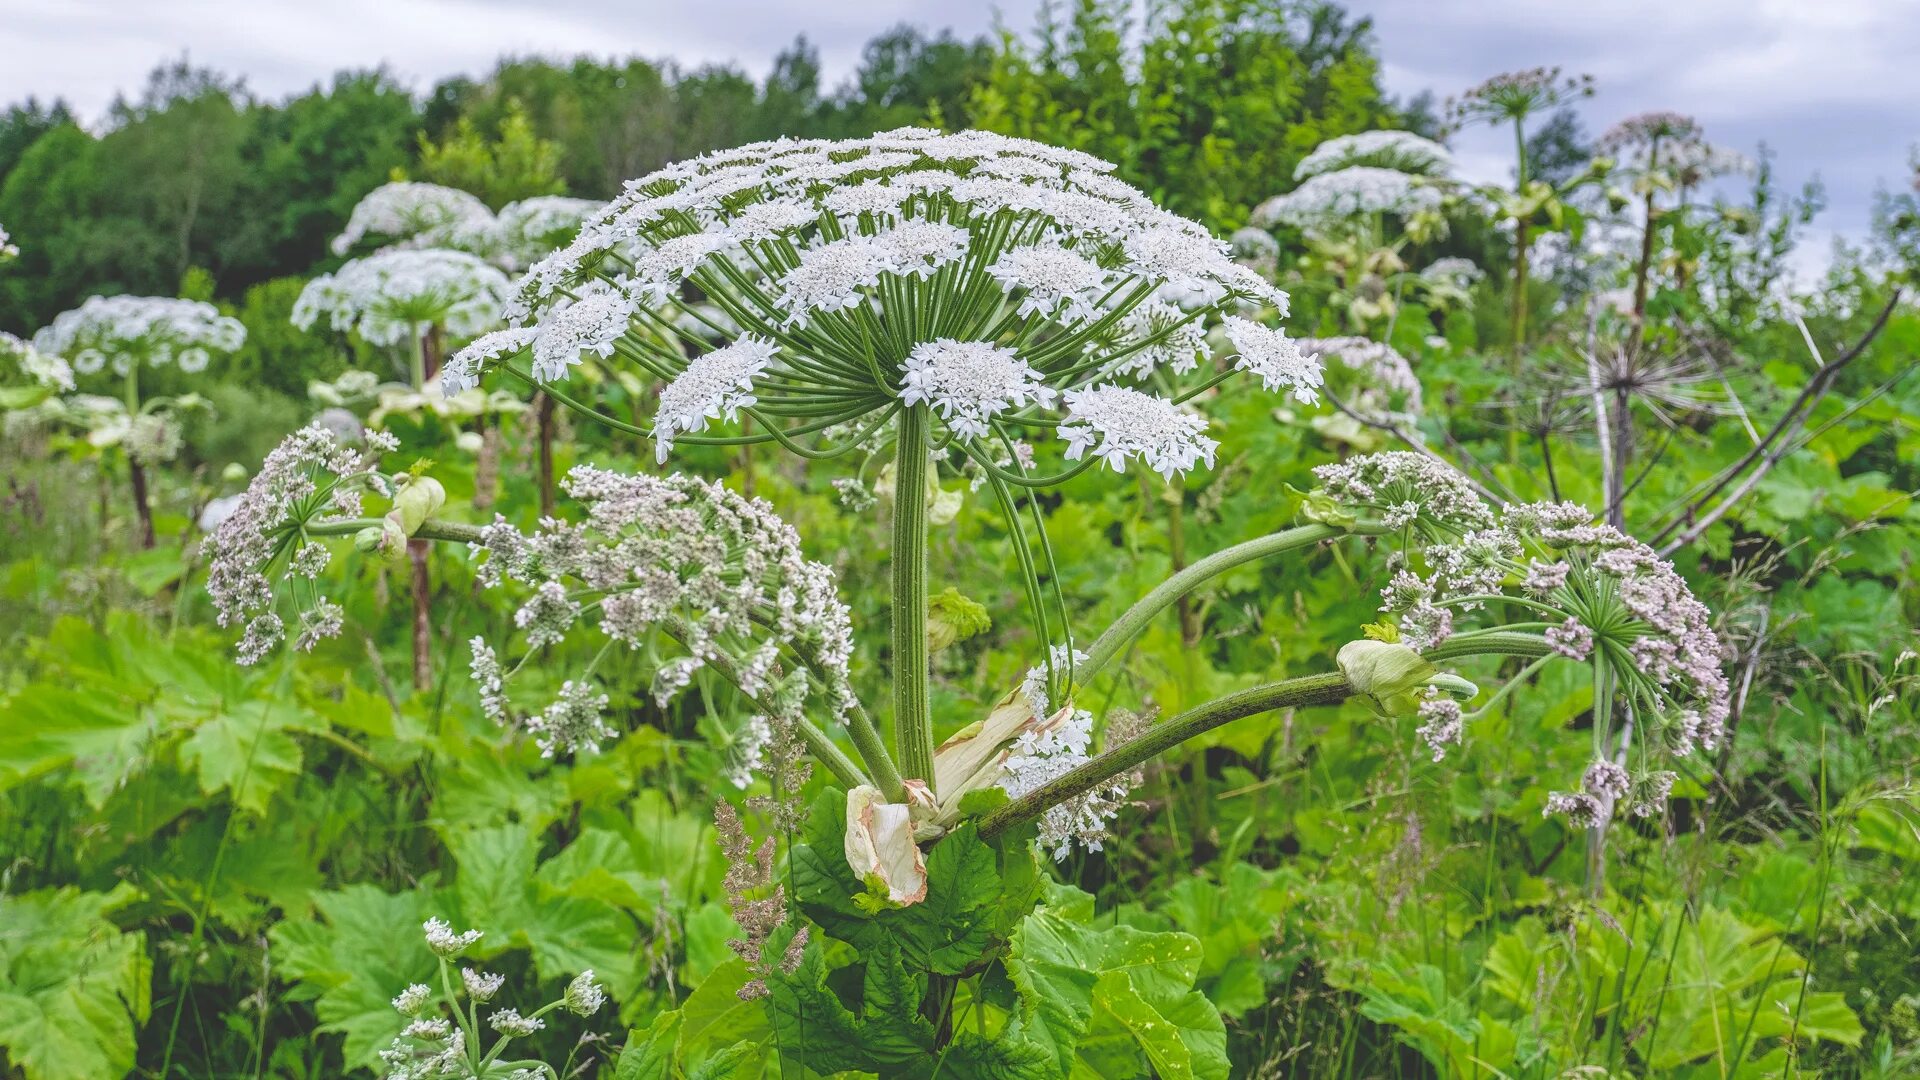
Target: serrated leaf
(248, 751)
(1073, 978)
(73, 987)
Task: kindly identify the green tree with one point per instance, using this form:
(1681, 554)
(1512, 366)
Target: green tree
(308, 161)
(1207, 104)
(515, 163)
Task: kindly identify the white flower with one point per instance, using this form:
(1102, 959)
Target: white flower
(481, 986)
(1278, 360)
(413, 999)
(584, 996)
(442, 939)
(830, 277)
(140, 330)
(510, 1022)
(1399, 150)
(526, 230)
(855, 256)
(1054, 281)
(392, 296)
(44, 369)
(573, 723)
(1117, 423)
(715, 384)
(922, 247)
(1331, 198)
(421, 215)
(970, 382)
(589, 324)
(462, 373)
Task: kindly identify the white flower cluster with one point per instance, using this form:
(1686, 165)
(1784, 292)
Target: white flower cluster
(442, 1040)
(526, 230)
(127, 331)
(1048, 750)
(1452, 272)
(397, 295)
(311, 475)
(983, 277)
(41, 369)
(1330, 199)
(718, 571)
(1383, 385)
(1402, 151)
(8, 250)
(415, 215)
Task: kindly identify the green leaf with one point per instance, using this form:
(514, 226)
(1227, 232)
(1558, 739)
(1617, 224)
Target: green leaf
(247, 751)
(73, 987)
(649, 1054)
(969, 907)
(364, 948)
(1075, 979)
(888, 1035)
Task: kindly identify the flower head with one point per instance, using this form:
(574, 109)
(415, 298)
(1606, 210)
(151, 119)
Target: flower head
(1402, 151)
(39, 368)
(413, 214)
(812, 283)
(718, 572)
(1327, 199)
(1116, 423)
(312, 476)
(394, 296)
(583, 996)
(1609, 602)
(968, 383)
(131, 331)
(442, 939)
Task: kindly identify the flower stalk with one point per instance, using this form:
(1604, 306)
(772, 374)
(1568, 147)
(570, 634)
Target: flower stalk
(912, 719)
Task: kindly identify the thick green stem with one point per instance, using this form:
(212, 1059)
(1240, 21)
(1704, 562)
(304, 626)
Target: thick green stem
(451, 531)
(417, 362)
(1184, 581)
(137, 473)
(912, 716)
(1325, 689)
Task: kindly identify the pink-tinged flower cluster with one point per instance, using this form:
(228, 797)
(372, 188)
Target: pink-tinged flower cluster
(1606, 599)
(312, 476)
(719, 573)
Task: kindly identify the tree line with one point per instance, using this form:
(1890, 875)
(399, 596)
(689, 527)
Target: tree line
(197, 185)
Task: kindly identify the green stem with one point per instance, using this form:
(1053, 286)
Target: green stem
(1325, 689)
(1192, 577)
(451, 531)
(417, 361)
(912, 717)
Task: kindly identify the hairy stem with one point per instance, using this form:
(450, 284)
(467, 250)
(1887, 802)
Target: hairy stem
(543, 406)
(912, 719)
(1184, 581)
(137, 474)
(1325, 689)
(422, 619)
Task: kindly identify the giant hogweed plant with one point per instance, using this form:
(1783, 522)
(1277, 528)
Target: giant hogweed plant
(111, 339)
(914, 295)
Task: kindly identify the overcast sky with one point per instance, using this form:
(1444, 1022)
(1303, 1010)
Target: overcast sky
(1831, 86)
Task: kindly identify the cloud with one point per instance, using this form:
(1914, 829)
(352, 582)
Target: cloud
(1829, 87)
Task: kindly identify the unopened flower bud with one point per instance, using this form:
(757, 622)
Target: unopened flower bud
(1387, 675)
(420, 499)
